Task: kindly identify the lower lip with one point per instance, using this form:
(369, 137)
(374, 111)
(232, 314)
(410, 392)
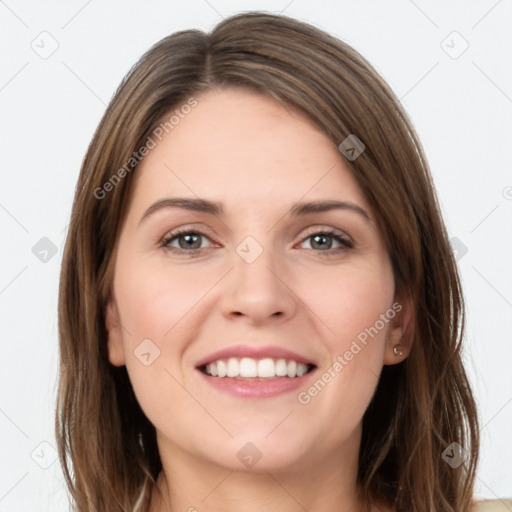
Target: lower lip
(256, 389)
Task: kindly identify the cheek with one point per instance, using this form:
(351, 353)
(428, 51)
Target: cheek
(154, 300)
(349, 301)
(162, 309)
(353, 310)
(159, 315)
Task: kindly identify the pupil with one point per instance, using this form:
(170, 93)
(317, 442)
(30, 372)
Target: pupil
(194, 241)
(190, 241)
(322, 241)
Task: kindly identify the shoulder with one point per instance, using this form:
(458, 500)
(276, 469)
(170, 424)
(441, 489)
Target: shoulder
(501, 505)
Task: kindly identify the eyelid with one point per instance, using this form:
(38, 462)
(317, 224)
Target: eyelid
(176, 233)
(190, 228)
(320, 228)
(313, 230)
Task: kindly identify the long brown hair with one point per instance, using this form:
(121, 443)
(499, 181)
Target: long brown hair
(107, 446)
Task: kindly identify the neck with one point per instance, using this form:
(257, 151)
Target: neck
(316, 482)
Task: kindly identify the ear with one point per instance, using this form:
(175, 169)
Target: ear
(115, 339)
(401, 330)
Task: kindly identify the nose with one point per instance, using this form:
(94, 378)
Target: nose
(258, 291)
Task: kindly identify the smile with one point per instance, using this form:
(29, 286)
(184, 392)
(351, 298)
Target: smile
(256, 369)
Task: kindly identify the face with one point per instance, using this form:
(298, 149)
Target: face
(237, 259)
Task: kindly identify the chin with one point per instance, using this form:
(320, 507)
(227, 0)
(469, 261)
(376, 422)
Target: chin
(256, 454)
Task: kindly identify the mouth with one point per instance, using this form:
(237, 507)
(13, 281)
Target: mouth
(254, 369)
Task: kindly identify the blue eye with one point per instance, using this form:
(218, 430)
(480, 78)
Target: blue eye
(325, 241)
(189, 241)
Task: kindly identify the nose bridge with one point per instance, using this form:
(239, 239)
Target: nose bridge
(256, 288)
(254, 264)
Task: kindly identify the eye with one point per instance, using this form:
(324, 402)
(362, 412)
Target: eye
(188, 241)
(324, 240)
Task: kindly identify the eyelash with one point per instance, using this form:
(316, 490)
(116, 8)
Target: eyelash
(346, 244)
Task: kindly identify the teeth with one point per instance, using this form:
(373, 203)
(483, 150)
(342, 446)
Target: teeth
(291, 369)
(266, 368)
(233, 367)
(222, 370)
(247, 367)
(281, 368)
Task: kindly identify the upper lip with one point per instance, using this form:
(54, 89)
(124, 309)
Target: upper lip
(255, 352)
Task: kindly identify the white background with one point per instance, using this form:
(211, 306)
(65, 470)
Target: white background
(461, 108)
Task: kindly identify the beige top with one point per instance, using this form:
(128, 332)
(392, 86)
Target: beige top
(501, 505)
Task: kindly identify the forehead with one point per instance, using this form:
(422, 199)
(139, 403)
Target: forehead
(245, 147)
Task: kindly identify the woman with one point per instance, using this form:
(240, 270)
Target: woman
(259, 306)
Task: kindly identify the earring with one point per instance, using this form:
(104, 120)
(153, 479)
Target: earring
(396, 351)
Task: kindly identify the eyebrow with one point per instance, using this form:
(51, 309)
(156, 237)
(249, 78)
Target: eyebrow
(213, 208)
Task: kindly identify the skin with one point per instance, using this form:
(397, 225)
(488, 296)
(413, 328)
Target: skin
(258, 159)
